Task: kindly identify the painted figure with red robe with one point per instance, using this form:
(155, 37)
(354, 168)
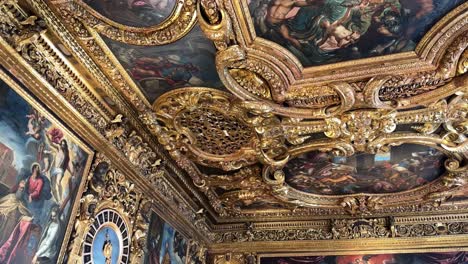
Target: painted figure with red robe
(14, 250)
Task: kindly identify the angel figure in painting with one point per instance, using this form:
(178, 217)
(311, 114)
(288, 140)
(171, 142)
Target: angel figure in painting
(35, 124)
(336, 36)
(277, 15)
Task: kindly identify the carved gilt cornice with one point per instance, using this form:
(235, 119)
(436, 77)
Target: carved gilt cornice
(27, 51)
(276, 78)
(440, 125)
(177, 25)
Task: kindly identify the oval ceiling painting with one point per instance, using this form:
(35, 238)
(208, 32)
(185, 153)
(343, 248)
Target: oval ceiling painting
(134, 13)
(326, 31)
(403, 168)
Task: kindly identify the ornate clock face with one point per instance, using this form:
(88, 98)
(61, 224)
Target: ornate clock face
(107, 240)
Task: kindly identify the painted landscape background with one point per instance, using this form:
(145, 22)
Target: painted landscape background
(41, 169)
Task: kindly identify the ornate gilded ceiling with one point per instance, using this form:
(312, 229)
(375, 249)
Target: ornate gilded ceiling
(336, 107)
(276, 111)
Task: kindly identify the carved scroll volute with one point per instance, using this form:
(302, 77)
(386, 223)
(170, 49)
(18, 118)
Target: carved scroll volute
(176, 26)
(463, 63)
(140, 227)
(246, 75)
(454, 60)
(199, 124)
(218, 28)
(456, 138)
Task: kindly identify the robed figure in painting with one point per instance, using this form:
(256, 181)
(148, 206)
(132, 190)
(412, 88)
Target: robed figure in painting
(42, 159)
(48, 244)
(12, 209)
(327, 31)
(107, 249)
(14, 250)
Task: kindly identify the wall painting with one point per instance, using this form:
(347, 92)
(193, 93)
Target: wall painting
(42, 168)
(134, 13)
(157, 69)
(165, 245)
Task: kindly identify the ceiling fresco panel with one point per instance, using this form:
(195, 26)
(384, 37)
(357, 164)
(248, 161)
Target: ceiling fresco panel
(403, 168)
(362, 165)
(321, 32)
(159, 69)
(135, 13)
(258, 152)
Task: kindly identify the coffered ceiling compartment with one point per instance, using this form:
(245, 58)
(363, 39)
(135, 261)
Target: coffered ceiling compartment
(311, 108)
(302, 117)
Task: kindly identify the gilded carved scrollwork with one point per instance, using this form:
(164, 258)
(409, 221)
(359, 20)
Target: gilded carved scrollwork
(271, 74)
(371, 131)
(181, 116)
(173, 28)
(27, 40)
(350, 229)
(107, 188)
(199, 123)
(280, 112)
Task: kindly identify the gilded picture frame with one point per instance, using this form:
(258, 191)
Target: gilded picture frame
(21, 91)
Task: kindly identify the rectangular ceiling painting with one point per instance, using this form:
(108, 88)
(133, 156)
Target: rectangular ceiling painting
(327, 31)
(158, 69)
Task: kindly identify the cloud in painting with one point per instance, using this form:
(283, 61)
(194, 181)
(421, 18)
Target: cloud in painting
(10, 138)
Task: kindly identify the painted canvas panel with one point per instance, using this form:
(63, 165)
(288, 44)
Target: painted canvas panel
(41, 173)
(327, 31)
(106, 246)
(164, 244)
(188, 62)
(135, 13)
(403, 168)
(409, 258)
(107, 240)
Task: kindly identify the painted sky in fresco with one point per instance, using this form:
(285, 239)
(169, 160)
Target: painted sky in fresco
(327, 31)
(158, 69)
(135, 13)
(403, 168)
(98, 243)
